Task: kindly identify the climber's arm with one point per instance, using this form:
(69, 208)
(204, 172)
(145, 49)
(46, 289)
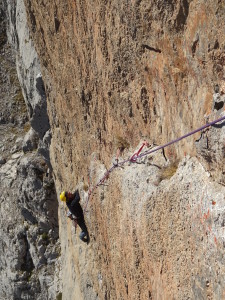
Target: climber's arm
(76, 198)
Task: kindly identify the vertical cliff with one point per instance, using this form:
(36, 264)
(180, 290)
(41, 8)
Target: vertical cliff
(157, 60)
(29, 247)
(115, 73)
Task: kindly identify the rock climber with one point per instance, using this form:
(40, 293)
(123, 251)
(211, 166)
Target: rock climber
(75, 212)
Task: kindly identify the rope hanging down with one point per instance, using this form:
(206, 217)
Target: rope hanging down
(137, 155)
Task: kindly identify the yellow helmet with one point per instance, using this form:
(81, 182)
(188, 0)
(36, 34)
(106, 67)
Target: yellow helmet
(63, 196)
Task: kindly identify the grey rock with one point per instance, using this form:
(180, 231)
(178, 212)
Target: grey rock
(210, 150)
(41, 249)
(30, 141)
(43, 148)
(39, 120)
(2, 160)
(19, 140)
(42, 261)
(218, 102)
(40, 86)
(17, 155)
(52, 257)
(23, 191)
(28, 216)
(45, 226)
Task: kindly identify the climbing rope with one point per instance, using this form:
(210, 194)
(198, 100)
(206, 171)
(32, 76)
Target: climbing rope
(137, 155)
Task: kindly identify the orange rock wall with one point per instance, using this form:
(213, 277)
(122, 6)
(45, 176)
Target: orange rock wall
(136, 70)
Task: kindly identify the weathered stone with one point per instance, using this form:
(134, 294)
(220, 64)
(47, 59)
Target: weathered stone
(43, 147)
(16, 155)
(28, 216)
(21, 176)
(211, 150)
(127, 71)
(31, 140)
(218, 102)
(144, 69)
(139, 69)
(2, 160)
(15, 149)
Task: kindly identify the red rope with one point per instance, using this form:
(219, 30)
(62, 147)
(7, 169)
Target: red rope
(135, 155)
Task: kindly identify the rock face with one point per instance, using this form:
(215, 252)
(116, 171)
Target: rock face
(28, 67)
(29, 234)
(158, 239)
(29, 246)
(211, 150)
(116, 73)
(126, 69)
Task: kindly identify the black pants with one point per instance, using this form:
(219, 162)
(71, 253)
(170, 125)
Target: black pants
(81, 223)
(84, 232)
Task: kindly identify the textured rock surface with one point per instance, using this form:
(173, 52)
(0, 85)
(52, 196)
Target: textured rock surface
(28, 66)
(162, 241)
(152, 236)
(29, 234)
(14, 111)
(137, 69)
(29, 246)
(30, 141)
(126, 69)
(211, 149)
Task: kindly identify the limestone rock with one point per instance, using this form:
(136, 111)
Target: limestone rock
(21, 205)
(218, 102)
(27, 199)
(30, 141)
(2, 160)
(134, 70)
(124, 70)
(211, 150)
(43, 147)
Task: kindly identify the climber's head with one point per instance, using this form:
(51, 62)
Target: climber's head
(63, 196)
(66, 196)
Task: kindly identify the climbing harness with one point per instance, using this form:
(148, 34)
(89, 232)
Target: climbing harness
(138, 154)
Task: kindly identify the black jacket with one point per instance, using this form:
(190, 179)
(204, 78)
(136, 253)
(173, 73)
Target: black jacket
(74, 205)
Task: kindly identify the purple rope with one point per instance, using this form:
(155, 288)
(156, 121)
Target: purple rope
(151, 151)
(182, 137)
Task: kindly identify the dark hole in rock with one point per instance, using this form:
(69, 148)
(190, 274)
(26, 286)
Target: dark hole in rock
(218, 105)
(57, 24)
